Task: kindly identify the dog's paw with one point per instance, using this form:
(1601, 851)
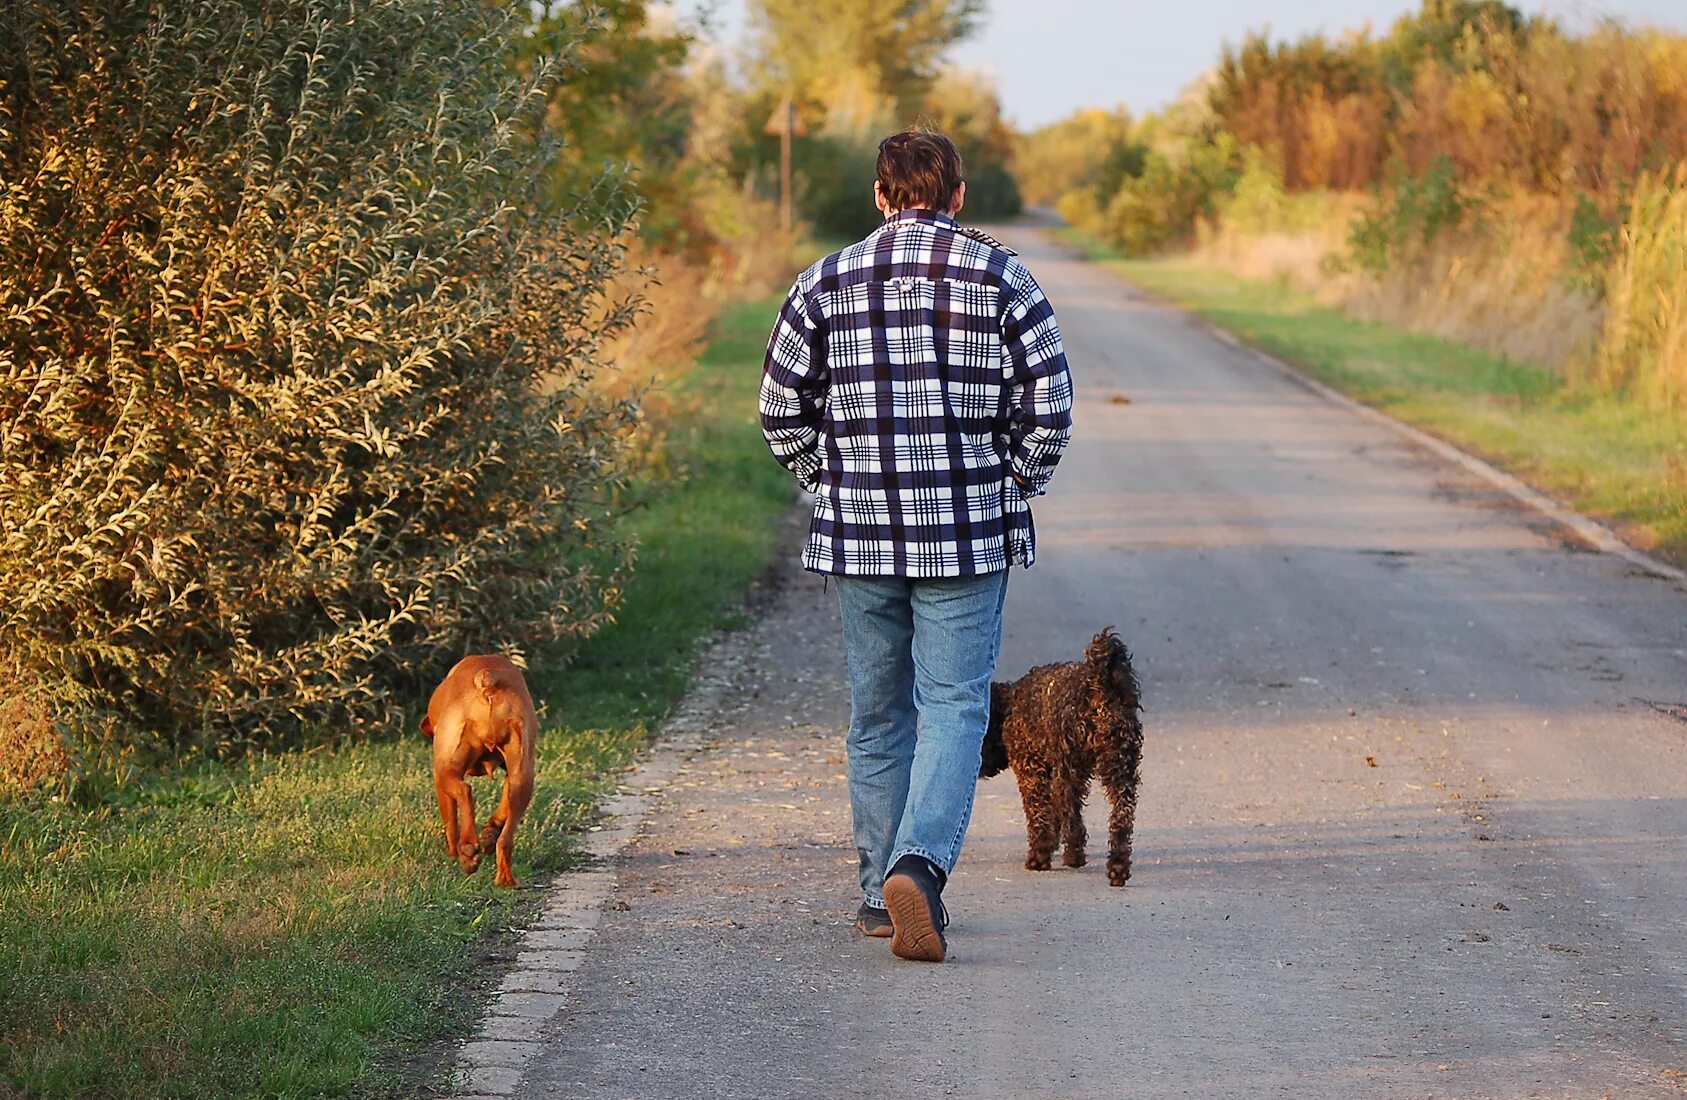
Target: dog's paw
(1038, 861)
(1118, 873)
(504, 878)
(1072, 859)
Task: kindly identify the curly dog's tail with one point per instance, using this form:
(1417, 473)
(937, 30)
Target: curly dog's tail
(1107, 654)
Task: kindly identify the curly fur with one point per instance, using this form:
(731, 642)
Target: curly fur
(1058, 726)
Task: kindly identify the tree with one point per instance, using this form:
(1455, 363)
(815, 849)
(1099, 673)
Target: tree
(623, 103)
(964, 105)
(1072, 153)
(857, 66)
(856, 72)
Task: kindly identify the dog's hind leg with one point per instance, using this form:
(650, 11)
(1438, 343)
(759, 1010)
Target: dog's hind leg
(448, 814)
(1119, 775)
(1042, 823)
(494, 826)
(517, 795)
(468, 851)
(499, 833)
(1073, 789)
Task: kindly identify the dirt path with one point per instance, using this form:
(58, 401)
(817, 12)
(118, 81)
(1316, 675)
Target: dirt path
(1411, 824)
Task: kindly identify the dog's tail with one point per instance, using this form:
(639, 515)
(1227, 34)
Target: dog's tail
(491, 686)
(1109, 657)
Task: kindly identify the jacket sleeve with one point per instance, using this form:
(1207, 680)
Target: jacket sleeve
(793, 388)
(1040, 383)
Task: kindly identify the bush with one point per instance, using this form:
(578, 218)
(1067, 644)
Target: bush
(992, 193)
(1078, 208)
(294, 401)
(1259, 203)
(1408, 216)
(1062, 157)
(1162, 204)
(1594, 238)
(834, 183)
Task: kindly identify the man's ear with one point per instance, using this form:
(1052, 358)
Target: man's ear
(879, 199)
(960, 197)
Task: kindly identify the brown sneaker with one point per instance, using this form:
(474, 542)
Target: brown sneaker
(873, 923)
(914, 897)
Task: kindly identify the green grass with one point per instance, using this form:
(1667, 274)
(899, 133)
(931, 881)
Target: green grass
(1606, 454)
(291, 926)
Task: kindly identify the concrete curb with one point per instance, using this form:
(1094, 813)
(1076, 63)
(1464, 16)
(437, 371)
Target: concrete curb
(1594, 533)
(492, 1063)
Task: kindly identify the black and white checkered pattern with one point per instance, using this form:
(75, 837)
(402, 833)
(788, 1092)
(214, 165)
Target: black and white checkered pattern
(915, 381)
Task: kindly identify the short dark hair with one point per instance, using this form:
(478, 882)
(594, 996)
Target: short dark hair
(919, 169)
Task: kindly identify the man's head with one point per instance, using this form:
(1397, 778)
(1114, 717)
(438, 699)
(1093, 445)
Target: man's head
(919, 170)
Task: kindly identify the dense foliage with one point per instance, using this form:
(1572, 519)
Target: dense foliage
(294, 382)
(1500, 97)
(1474, 172)
(1470, 91)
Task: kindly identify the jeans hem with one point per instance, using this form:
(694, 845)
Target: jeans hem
(916, 850)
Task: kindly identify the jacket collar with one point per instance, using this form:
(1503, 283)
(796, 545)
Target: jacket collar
(918, 214)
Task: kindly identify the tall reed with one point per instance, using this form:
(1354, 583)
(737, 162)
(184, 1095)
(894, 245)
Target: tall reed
(1644, 347)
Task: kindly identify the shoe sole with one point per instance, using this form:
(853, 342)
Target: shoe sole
(915, 935)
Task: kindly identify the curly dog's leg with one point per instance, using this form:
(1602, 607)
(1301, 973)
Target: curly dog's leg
(1119, 776)
(1041, 821)
(1074, 786)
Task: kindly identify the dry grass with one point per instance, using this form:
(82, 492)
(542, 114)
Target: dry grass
(754, 256)
(683, 296)
(1645, 332)
(680, 303)
(1499, 285)
(1284, 239)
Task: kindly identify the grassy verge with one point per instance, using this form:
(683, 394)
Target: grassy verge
(290, 926)
(1606, 454)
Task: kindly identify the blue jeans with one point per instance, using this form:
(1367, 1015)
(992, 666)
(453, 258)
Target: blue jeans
(921, 653)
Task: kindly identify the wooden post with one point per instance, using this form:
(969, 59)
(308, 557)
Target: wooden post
(785, 122)
(785, 130)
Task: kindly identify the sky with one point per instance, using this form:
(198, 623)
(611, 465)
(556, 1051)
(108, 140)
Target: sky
(1050, 57)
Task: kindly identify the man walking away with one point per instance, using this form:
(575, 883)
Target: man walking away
(915, 383)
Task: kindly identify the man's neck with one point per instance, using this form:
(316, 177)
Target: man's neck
(889, 214)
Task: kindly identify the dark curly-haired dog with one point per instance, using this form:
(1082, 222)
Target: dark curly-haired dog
(1059, 725)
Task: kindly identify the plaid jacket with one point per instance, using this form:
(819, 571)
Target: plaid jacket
(916, 383)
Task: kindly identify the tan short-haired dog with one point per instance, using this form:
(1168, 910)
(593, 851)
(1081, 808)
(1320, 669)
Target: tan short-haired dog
(482, 716)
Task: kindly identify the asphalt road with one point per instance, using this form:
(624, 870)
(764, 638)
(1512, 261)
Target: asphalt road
(1413, 818)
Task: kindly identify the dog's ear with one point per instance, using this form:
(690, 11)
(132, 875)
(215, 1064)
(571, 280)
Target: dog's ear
(427, 727)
